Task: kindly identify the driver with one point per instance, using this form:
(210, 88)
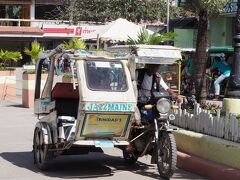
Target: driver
(149, 79)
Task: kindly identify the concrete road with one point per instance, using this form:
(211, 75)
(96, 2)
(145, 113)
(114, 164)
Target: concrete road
(16, 160)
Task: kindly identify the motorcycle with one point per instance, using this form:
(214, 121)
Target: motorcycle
(151, 133)
(154, 136)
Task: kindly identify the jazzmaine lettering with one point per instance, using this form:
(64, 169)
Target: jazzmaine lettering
(109, 107)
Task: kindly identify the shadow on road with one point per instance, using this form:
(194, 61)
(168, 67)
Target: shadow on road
(16, 105)
(80, 166)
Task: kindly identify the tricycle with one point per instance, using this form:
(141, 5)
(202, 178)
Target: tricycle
(100, 109)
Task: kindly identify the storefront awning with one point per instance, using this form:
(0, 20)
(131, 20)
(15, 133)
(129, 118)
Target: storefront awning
(11, 31)
(225, 49)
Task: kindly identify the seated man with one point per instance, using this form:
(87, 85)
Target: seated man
(149, 78)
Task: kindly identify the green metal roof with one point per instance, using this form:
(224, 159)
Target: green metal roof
(226, 49)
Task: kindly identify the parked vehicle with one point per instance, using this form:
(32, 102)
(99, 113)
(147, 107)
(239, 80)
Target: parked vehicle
(99, 109)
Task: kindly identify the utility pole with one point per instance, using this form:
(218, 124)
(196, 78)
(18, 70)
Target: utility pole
(232, 100)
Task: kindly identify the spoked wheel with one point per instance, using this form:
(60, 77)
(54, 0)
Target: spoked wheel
(167, 155)
(129, 157)
(40, 150)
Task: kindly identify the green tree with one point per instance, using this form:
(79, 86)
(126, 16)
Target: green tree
(85, 10)
(107, 10)
(144, 37)
(6, 56)
(204, 9)
(36, 49)
(136, 10)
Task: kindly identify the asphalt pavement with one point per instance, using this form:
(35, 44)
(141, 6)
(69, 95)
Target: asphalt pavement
(16, 159)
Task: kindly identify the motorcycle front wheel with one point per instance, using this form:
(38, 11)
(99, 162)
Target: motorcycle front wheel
(166, 154)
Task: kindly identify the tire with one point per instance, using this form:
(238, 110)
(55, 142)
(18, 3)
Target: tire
(167, 155)
(40, 150)
(129, 158)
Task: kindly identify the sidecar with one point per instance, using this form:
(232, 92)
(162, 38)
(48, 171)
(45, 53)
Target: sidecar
(92, 112)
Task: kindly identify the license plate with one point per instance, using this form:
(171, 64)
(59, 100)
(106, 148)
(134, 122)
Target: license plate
(102, 125)
(103, 143)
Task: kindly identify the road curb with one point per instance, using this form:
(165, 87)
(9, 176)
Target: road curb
(208, 147)
(206, 168)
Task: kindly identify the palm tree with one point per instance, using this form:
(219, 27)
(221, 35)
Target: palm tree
(204, 9)
(144, 37)
(5, 56)
(75, 44)
(36, 49)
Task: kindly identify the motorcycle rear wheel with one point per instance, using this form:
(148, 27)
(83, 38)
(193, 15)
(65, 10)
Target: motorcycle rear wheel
(166, 154)
(40, 150)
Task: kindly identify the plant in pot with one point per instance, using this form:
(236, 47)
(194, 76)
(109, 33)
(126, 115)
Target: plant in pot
(29, 77)
(36, 49)
(68, 78)
(75, 44)
(8, 74)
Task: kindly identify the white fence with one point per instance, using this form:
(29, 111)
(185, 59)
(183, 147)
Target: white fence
(202, 121)
(31, 22)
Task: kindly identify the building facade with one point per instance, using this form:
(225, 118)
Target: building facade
(23, 21)
(220, 29)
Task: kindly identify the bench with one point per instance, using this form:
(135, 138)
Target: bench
(66, 98)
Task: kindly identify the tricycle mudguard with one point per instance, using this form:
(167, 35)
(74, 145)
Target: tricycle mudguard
(46, 132)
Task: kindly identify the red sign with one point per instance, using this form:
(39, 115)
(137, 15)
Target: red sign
(69, 31)
(78, 31)
(59, 30)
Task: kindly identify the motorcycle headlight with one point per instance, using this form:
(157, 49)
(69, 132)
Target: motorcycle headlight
(163, 105)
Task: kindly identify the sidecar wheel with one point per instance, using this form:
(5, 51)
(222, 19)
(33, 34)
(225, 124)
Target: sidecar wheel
(167, 155)
(129, 158)
(40, 150)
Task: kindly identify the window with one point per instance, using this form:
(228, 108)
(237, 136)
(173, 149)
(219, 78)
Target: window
(105, 76)
(14, 11)
(2, 11)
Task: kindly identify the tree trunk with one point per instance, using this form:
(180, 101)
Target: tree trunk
(72, 7)
(200, 59)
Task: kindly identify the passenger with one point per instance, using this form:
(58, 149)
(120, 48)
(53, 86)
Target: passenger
(56, 67)
(65, 64)
(188, 67)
